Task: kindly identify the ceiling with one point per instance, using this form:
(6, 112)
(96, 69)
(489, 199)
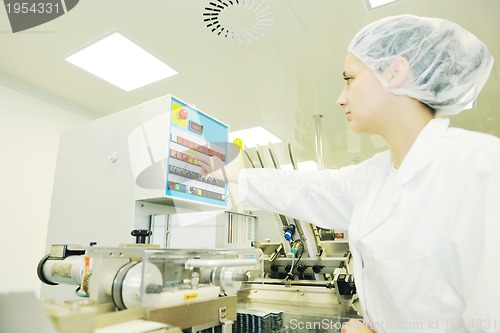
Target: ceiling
(279, 80)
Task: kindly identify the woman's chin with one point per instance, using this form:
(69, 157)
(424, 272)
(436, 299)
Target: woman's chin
(358, 129)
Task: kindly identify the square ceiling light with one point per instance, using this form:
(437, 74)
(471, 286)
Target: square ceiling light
(372, 4)
(121, 62)
(252, 137)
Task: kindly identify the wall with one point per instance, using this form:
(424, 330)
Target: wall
(29, 134)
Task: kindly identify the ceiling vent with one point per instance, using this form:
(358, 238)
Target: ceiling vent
(238, 20)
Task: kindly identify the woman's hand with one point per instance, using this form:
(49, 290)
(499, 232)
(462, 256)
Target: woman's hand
(210, 165)
(227, 170)
(355, 326)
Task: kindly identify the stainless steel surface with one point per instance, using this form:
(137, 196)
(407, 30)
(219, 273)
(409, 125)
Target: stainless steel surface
(194, 314)
(304, 308)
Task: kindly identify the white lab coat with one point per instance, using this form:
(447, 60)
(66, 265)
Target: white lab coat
(426, 251)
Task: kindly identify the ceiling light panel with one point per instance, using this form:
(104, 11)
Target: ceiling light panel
(372, 4)
(255, 136)
(121, 62)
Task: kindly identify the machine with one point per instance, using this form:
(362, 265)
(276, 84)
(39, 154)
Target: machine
(192, 290)
(137, 173)
(187, 289)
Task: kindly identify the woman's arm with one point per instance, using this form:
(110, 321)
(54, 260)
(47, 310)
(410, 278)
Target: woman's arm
(325, 198)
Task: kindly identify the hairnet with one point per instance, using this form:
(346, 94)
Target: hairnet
(449, 64)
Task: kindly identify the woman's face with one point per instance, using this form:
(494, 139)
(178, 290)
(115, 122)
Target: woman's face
(362, 97)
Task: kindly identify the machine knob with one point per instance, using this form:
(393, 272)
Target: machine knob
(301, 268)
(274, 268)
(140, 235)
(317, 268)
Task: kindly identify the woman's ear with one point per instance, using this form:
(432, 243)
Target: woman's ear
(397, 72)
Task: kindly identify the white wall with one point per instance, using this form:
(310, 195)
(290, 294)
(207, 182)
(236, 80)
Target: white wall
(29, 137)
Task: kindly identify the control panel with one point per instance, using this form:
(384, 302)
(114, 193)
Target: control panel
(195, 136)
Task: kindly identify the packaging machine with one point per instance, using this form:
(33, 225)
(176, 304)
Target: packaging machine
(131, 171)
(188, 288)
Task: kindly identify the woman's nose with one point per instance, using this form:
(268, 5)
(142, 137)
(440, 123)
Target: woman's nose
(341, 100)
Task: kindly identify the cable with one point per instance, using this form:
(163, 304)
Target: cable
(302, 250)
(294, 263)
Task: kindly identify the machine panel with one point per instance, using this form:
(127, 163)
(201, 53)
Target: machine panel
(194, 136)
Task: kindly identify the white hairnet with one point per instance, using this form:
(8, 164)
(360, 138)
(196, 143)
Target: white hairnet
(449, 64)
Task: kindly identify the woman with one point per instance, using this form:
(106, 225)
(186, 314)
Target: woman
(424, 216)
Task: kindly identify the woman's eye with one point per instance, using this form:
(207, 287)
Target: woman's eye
(347, 78)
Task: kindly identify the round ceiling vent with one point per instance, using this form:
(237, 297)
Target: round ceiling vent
(238, 20)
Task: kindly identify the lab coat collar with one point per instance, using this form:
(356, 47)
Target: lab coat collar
(423, 149)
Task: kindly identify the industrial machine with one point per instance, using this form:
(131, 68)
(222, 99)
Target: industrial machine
(188, 288)
(193, 290)
(138, 170)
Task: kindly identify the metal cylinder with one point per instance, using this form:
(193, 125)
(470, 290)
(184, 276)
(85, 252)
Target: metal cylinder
(229, 279)
(220, 262)
(319, 142)
(66, 271)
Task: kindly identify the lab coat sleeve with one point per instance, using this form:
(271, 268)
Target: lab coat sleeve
(476, 240)
(324, 198)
